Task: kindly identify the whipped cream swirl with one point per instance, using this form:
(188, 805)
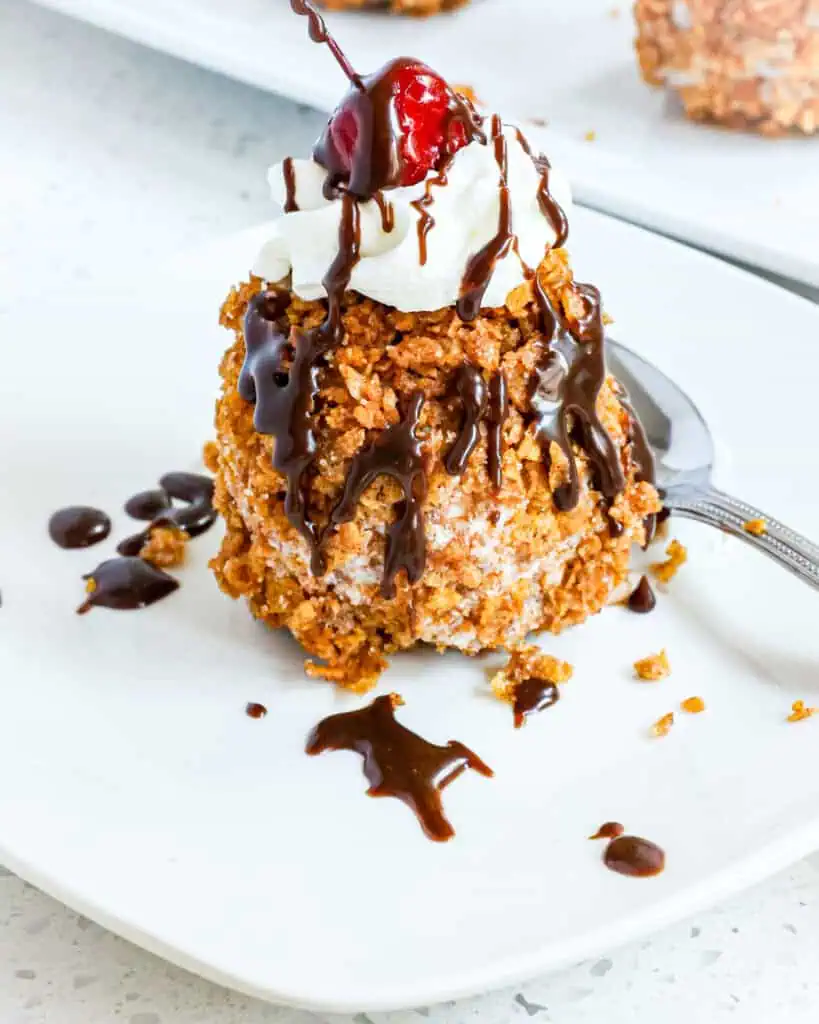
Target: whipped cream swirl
(465, 208)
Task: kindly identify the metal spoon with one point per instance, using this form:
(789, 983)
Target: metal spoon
(684, 455)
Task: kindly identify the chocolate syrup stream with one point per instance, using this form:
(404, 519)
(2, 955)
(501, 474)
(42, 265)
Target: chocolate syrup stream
(319, 34)
(396, 453)
(289, 175)
(387, 211)
(426, 222)
(549, 206)
(496, 415)
(398, 762)
(481, 266)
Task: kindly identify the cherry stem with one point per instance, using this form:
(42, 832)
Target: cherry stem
(319, 34)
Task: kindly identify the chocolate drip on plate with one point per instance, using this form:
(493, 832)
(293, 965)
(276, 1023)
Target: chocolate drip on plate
(642, 599)
(396, 452)
(254, 710)
(533, 695)
(78, 526)
(481, 266)
(126, 584)
(147, 505)
(609, 830)
(398, 762)
(633, 856)
(194, 518)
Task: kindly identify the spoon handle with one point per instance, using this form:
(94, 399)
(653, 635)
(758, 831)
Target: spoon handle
(790, 549)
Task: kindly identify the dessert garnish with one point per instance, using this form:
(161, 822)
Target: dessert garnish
(254, 710)
(125, 584)
(78, 526)
(635, 857)
(193, 518)
(417, 437)
(398, 762)
(393, 129)
(642, 599)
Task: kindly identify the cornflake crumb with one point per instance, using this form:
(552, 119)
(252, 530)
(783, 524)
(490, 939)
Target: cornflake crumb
(528, 663)
(654, 667)
(590, 136)
(662, 727)
(165, 547)
(758, 527)
(799, 712)
(693, 705)
(468, 93)
(210, 456)
(677, 555)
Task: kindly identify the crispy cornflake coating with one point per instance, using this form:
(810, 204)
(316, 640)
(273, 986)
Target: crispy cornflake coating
(746, 64)
(758, 527)
(165, 547)
(654, 667)
(662, 727)
(693, 705)
(418, 8)
(799, 712)
(499, 563)
(528, 663)
(677, 555)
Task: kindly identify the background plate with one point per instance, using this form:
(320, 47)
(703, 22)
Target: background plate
(133, 786)
(753, 199)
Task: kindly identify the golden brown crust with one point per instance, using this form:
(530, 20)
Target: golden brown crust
(498, 564)
(751, 65)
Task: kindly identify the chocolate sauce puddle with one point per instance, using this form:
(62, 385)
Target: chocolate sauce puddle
(147, 505)
(78, 526)
(609, 830)
(126, 584)
(396, 452)
(254, 710)
(635, 857)
(533, 695)
(194, 518)
(398, 762)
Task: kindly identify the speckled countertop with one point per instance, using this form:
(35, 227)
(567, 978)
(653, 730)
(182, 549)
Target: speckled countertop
(114, 156)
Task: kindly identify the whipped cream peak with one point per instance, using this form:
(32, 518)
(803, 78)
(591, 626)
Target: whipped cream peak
(417, 241)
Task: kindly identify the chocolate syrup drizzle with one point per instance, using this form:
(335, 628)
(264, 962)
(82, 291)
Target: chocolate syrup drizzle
(398, 762)
(282, 367)
(635, 857)
(395, 453)
(289, 175)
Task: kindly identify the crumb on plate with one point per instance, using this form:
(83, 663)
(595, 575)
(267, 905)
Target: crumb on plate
(653, 667)
(677, 555)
